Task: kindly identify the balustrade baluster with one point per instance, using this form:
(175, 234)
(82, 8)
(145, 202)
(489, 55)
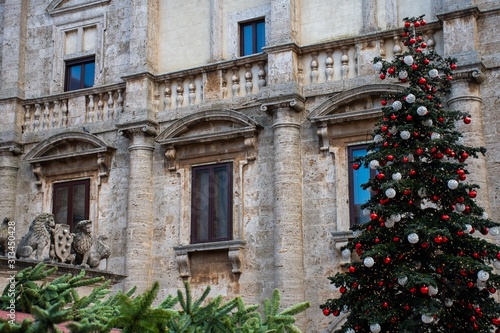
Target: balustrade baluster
(329, 65)
(262, 74)
(344, 59)
(382, 48)
(167, 95)
(100, 106)
(235, 78)
(180, 93)
(223, 88)
(314, 67)
(430, 39)
(396, 49)
(36, 117)
(91, 106)
(56, 114)
(192, 90)
(27, 118)
(111, 107)
(46, 115)
(248, 79)
(64, 111)
(119, 102)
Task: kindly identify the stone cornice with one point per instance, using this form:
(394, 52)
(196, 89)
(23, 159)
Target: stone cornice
(146, 127)
(471, 11)
(138, 76)
(53, 10)
(15, 148)
(295, 103)
(282, 48)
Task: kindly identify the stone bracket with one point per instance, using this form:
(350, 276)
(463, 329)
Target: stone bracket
(340, 239)
(234, 248)
(12, 147)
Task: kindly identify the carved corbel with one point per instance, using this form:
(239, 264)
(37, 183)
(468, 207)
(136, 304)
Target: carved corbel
(235, 259)
(103, 162)
(251, 148)
(184, 265)
(37, 171)
(148, 128)
(170, 155)
(340, 239)
(323, 137)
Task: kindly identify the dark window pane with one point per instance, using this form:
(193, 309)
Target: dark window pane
(261, 36)
(79, 195)
(247, 40)
(61, 205)
(221, 197)
(75, 77)
(89, 75)
(201, 204)
(357, 195)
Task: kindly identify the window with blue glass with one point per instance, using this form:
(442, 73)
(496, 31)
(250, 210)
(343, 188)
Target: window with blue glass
(357, 195)
(80, 73)
(211, 203)
(253, 37)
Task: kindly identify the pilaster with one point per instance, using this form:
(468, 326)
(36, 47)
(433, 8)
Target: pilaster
(288, 232)
(9, 166)
(144, 36)
(139, 232)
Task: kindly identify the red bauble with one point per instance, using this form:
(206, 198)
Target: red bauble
(423, 45)
(460, 233)
(383, 102)
(435, 198)
(445, 217)
(413, 173)
(441, 119)
(413, 40)
(438, 239)
(385, 304)
(358, 245)
(383, 128)
(381, 283)
(380, 176)
(394, 117)
(407, 24)
(484, 230)
(355, 166)
(470, 284)
(326, 312)
(336, 312)
(460, 172)
(391, 70)
(449, 78)
(424, 290)
(376, 240)
(342, 290)
(406, 192)
(492, 290)
(390, 157)
(460, 199)
(413, 290)
(426, 61)
(382, 76)
(462, 177)
(414, 66)
(405, 159)
(387, 261)
(416, 24)
(453, 66)
(409, 117)
(495, 321)
(352, 269)
(354, 285)
(472, 194)
(410, 202)
(422, 22)
(429, 97)
(419, 151)
(407, 308)
(465, 155)
(439, 270)
(422, 81)
(395, 239)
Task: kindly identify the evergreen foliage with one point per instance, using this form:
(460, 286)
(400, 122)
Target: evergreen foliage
(421, 269)
(58, 302)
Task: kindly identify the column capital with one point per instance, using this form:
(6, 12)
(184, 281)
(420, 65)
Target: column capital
(472, 73)
(15, 148)
(295, 103)
(146, 127)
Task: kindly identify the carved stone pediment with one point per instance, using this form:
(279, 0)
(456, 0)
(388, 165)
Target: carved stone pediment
(68, 151)
(208, 129)
(64, 6)
(349, 107)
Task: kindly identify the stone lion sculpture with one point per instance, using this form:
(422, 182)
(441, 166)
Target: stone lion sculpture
(37, 238)
(82, 242)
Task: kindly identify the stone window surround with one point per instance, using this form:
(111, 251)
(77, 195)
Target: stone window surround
(58, 64)
(176, 136)
(234, 20)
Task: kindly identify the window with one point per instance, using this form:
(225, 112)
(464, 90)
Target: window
(80, 73)
(357, 195)
(253, 37)
(71, 202)
(211, 203)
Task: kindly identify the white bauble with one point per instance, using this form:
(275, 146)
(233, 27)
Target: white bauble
(396, 176)
(405, 135)
(452, 184)
(468, 228)
(433, 73)
(396, 217)
(396, 105)
(390, 193)
(369, 262)
(378, 138)
(374, 164)
(413, 238)
(485, 217)
(483, 275)
(377, 66)
(435, 136)
(346, 253)
(428, 122)
(366, 212)
(375, 328)
(422, 110)
(389, 223)
(403, 75)
(393, 130)
(448, 302)
(410, 98)
(408, 60)
(427, 319)
(402, 280)
(494, 231)
(459, 207)
(433, 291)
(496, 264)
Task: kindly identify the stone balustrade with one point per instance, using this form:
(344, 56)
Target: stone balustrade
(74, 108)
(212, 82)
(351, 57)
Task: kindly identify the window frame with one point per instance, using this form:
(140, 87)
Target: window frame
(70, 184)
(253, 23)
(352, 210)
(211, 221)
(68, 64)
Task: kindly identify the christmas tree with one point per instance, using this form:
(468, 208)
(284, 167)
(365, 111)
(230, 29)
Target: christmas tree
(420, 265)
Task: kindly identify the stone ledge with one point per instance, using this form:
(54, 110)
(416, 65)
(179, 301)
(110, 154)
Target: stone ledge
(61, 269)
(234, 248)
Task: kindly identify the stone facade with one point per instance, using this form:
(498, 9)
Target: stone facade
(171, 92)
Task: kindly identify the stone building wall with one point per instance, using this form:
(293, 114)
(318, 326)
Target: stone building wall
(171, 92)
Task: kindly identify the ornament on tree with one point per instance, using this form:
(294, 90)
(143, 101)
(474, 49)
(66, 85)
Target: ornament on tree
(403, 75)
(422, 110)
(346, 253)
(402, 280)
(390, 193)
(433, 73)
(427, 319)
(452, 184)
(375, 328)
(405, 135)
(410, 98)
(374, 164)
(397, 105)
(369, 262)
(413, 238)
(408, 60)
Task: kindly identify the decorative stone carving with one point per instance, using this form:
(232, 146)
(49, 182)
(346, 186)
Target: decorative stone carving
(89, 254)
(4, 236)
(60, 249)
(38, 237)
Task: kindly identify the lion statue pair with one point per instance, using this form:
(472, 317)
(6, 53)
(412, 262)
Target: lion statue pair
(45, 233)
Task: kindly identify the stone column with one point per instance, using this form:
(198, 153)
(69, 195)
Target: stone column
(138, 253)
(460, 35)
(9, 166)
(287, 234)
(216, 30)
